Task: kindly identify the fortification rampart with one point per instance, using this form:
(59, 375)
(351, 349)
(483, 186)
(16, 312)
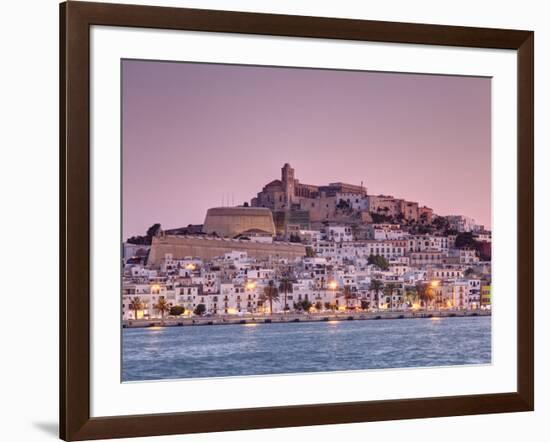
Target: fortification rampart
(208, 248)
(232, 221)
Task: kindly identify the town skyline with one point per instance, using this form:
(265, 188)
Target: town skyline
(189, 170)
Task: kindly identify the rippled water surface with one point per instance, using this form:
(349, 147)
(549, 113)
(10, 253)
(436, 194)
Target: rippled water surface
(239, 350)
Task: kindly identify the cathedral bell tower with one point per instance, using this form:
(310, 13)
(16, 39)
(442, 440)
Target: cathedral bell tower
(287, 178)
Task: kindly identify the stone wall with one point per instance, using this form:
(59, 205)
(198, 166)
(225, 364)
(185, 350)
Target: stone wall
(320, 209)
(232, 221)
(207, 248)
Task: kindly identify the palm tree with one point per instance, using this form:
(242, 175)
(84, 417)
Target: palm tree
(388, 290)
(425, 293)
(411, 295)
(364, 301)
(376, 285)
(285, 286)
(136, 305)
(399, 293)
(270, 294)
(162, 307)
(348, 294)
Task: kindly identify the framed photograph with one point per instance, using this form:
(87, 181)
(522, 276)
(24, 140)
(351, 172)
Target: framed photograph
(273, 221)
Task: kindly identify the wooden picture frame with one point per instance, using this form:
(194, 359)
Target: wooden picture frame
(75, 21)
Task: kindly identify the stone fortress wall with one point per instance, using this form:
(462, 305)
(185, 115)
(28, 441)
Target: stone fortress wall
(208, 248)
(232, 221)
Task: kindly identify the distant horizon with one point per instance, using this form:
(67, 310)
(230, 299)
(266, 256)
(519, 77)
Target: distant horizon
(197, 136)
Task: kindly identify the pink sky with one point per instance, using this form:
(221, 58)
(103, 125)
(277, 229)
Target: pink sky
(194, 134)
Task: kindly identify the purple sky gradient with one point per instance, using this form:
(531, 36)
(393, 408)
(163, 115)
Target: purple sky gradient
(196, 133)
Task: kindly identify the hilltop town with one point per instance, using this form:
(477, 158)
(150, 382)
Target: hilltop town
(305, 250)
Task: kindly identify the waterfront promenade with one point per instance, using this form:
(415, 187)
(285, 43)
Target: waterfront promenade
(299, 317)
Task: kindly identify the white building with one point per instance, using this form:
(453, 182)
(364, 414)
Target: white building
(421, 243)
(455, 294)
(461, 223)
(474, 291)
(463, 256)
(483, 235)
(385, 231)
(353, 200)
(310, 236)
(338, 233)
(446, 272)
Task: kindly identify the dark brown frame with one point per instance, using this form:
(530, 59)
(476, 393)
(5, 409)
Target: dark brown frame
(75, 21)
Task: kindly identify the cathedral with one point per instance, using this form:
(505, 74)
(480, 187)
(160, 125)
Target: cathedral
(288, 192)
(297, 206)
